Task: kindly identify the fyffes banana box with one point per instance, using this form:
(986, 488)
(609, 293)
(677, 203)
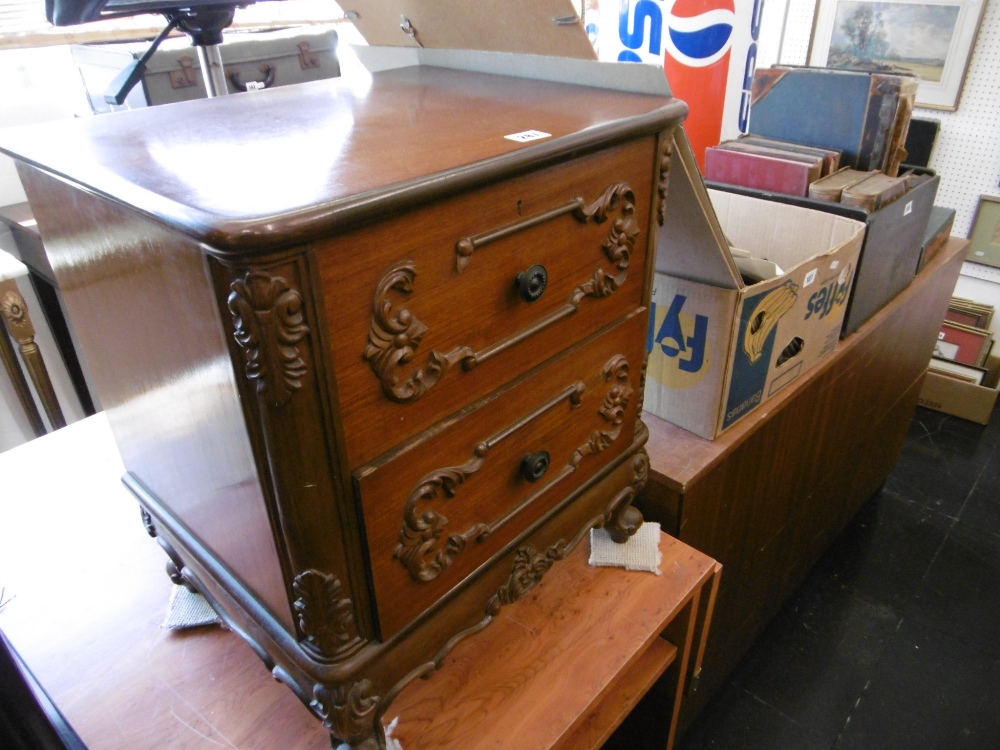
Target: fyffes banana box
(721, 345)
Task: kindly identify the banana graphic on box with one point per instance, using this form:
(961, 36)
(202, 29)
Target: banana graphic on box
(765, 317)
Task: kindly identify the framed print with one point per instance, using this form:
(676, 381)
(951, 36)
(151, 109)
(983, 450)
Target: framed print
(984, 238)
(932, 39)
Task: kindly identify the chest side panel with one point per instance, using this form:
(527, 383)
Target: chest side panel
(142, 305)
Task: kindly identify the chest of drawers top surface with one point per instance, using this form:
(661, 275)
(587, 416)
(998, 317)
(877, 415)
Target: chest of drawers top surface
(289, 164)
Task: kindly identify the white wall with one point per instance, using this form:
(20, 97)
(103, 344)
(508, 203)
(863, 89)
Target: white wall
(38, 85)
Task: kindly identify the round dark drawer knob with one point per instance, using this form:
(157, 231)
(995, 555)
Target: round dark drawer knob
(531, 284)
(534, 465)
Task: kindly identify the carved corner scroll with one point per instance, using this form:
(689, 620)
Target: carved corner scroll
(619, 243)
(270, 323)
(349, 712)
(325, 619)
(665, 157)
(616, 401)
(393, 340)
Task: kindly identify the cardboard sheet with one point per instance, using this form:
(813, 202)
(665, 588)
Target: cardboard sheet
(525, 26)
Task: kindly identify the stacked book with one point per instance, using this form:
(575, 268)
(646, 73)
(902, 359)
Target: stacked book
(965, 341)
(845, 129)
(868, 190)
(767, 164)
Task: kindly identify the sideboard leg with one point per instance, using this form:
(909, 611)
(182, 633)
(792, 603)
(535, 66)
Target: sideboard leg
(174, 564)
(624, 519)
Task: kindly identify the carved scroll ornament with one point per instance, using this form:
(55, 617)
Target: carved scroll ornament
(325, 619)
(526, 573)
(420, 547)
(395, 335)
(269, 320)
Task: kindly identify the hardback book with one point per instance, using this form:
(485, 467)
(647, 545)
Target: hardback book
(907, 95)
(938, 230)
(831, 187)
(830, 156)
(874, 192)
(853, 111)
(760, 171)
(920, 140)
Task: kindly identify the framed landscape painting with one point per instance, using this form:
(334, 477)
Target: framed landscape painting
(932, 40)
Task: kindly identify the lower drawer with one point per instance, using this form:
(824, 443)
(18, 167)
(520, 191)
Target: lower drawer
(448, 503)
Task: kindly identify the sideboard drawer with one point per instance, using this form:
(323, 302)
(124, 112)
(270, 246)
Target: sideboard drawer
(437, 511)
(437, 320)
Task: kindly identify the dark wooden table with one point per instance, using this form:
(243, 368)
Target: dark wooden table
(769, 495)
(86, 594)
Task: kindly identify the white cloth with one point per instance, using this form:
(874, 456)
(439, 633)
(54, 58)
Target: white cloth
(640, 552)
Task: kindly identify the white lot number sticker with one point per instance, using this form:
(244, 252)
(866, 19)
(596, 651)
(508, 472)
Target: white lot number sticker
(527, 135)
(810, 278)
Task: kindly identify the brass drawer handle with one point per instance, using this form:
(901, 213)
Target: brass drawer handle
(421, 548)
(531, 284)
(394, 336)
(534, 465)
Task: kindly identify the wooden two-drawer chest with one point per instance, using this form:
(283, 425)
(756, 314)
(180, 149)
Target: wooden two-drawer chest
(373, 364)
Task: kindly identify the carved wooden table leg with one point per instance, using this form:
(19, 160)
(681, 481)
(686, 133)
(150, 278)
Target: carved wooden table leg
(16, 374)
(14, 313)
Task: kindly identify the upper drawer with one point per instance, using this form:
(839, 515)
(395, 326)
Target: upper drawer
(440, 509)
(423, 307)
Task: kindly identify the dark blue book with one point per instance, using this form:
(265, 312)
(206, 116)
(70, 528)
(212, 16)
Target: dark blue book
(852, 111)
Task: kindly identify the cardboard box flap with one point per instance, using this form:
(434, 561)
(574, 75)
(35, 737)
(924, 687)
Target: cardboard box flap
(633, 78)
(692, 244)
(784, 234)
(541, 27)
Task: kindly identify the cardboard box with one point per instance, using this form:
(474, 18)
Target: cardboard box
(720, 347)
(893, 244)
(961, 399)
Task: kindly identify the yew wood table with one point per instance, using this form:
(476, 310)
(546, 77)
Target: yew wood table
(84, 600)
(768, 496)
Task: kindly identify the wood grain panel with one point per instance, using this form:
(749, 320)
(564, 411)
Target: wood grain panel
(542, 687)
(308, 159)
(478, 306)
(425, 510)
(142, 304)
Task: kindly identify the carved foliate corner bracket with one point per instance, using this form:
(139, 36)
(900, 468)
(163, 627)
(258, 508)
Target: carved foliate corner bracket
(665, 157)
(349, 712)
(325, 619)
(269, 318)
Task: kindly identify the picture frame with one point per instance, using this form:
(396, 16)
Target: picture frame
(984, 236)
(932, 39)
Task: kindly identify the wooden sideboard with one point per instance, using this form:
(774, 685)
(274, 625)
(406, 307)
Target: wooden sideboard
(373, 356)
(769, 495)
